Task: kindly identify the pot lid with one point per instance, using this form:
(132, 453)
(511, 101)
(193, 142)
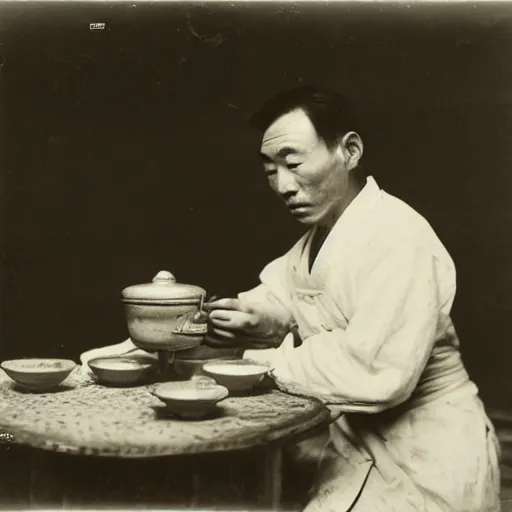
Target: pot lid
(163, 287)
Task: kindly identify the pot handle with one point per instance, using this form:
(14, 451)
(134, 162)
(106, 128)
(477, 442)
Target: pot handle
(201, 316)
(193, 323)
(190, 324)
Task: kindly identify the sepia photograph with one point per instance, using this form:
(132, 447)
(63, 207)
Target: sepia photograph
(256, 256)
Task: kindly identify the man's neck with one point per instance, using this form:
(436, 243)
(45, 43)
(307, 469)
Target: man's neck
(328, 223)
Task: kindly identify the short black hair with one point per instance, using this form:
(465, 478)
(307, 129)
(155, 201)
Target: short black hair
(330, 112)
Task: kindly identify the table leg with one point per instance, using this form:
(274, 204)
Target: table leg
(43, 490)
(13, 474)
(272, 477)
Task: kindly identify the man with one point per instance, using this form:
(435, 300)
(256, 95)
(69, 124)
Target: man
(357, 314)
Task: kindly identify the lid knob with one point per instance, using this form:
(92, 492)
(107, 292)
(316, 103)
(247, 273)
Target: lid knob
(164, 277)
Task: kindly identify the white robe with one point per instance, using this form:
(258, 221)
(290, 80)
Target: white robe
(380, 350)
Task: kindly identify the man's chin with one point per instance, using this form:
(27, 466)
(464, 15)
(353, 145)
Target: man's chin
(304, 218)
(305, 222)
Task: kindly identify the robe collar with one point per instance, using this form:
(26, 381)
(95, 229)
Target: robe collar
(340, 233)
(360, 205)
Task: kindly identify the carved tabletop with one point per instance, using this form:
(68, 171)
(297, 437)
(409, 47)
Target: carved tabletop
(82, 417)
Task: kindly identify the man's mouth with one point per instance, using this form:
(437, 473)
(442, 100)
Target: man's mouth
(298, 209)
(297, 206)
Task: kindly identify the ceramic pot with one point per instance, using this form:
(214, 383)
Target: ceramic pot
(165, 314)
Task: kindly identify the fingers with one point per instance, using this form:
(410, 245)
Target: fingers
(229, 304)
(223, 334)
(232, 320)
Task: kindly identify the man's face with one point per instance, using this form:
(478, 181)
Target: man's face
(311, 179)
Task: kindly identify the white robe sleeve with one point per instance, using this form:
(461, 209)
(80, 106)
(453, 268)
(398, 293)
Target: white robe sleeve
(271, 296)
(376, 362)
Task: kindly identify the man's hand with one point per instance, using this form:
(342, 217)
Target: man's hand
(232, 322)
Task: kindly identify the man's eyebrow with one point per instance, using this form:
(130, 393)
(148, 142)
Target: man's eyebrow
(282, 153)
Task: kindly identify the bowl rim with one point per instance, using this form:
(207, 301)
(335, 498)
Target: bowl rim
(223, 393)
(264, 368)
(92, 363)
(69, 364)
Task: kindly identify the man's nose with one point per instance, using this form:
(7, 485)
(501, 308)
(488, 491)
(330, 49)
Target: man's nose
(286, 185)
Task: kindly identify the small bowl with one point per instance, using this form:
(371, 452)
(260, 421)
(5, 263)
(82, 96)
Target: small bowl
(121, 371)
(186, 369)
(192, 399)
(38, 374)
(237, 376)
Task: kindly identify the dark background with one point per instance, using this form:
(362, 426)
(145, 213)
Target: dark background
(126, 151)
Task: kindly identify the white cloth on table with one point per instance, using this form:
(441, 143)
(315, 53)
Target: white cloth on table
(125, 348)
(380, 350)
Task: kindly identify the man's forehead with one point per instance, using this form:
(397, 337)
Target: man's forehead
(293, 128)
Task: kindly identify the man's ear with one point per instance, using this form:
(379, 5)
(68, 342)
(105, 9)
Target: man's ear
(352, 146)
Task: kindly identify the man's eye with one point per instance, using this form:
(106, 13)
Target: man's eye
(292, 166)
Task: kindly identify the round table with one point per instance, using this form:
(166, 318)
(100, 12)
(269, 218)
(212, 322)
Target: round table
(84, 418)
